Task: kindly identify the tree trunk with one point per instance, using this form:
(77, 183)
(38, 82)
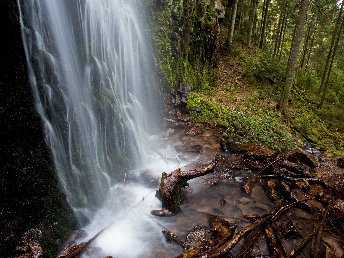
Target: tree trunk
(283, 30)
(239, 16)
(279, 30)
(334, 46)
(265, 20)
(308, 42)
(231, 32)
(294, 52)
(310, 50)
(253, 11)
(331, 55)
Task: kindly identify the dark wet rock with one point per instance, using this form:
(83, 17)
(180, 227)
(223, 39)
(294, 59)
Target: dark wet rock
(211, 181)
(306, 202)
(29, 245)
(293, 169)
(271, 190)
(288, 230)
(174, 124)
(162, 213)
(298, 196)
(257, 152)
(191, 148)
(230, 146)
(337, 210)
(196, 237)
(249, 181)
(228, 166)
(317, 191)
(223, 202)
(196, 109)
(180, 95)
(303, 158)
(193, 131)
(302, 184)
(221, 228)
(340, 162)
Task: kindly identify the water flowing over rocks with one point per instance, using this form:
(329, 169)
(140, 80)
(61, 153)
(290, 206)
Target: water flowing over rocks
(30, 197)
(295, 195)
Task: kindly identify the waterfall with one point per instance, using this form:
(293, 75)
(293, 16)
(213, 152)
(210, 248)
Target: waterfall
(91, 74)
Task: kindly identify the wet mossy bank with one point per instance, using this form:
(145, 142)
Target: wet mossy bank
(30, 195)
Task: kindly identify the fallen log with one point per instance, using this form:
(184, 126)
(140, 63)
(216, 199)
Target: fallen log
(73, 250)
(171, 186)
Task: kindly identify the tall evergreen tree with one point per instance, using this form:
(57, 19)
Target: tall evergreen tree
(331, 54)
(294, 53)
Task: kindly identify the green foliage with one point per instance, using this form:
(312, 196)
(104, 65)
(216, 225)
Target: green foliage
(200, 77)
(186, 47)
(316, 131)
(185, 44)
(266, 69)
(306, 82)
(255, 125)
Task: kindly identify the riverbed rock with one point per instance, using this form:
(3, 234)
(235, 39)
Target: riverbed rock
(288, 230)
(180, 96)
(29, 245)
(303, 158)
(193, 131)
(197, 236)
(340, 162)
(189, 148)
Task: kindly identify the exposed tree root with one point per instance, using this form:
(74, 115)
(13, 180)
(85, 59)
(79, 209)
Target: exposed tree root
(171, 186)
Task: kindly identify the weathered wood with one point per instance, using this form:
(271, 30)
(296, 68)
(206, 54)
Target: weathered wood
(171, 185)
(73, 250)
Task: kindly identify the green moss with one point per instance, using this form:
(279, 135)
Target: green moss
(183, 45)
(253, 124)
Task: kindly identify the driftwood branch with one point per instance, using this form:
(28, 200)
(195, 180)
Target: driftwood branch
(73, 250)
(171, 186)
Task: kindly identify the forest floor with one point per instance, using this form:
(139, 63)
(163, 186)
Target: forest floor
(255, 202)
(288, 174)
(244, 101)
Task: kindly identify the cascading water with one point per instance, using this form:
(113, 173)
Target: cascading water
(93, 86)
(91, 73)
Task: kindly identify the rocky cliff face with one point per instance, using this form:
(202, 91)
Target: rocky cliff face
(30, 196)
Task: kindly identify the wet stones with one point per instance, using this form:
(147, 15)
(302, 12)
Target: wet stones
(303, 158)
(340, 162)
(29, 245)
(193, 131)
(180, 96)
(189, 148)
(221, 228)
(229, 146)
(288, 230)
(196, 237)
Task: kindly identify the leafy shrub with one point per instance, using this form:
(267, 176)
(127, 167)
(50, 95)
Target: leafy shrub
(261, 126)
(306, 82)
(267, 69)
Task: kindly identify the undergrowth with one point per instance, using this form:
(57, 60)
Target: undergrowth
(241, 95)
(246, 125)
